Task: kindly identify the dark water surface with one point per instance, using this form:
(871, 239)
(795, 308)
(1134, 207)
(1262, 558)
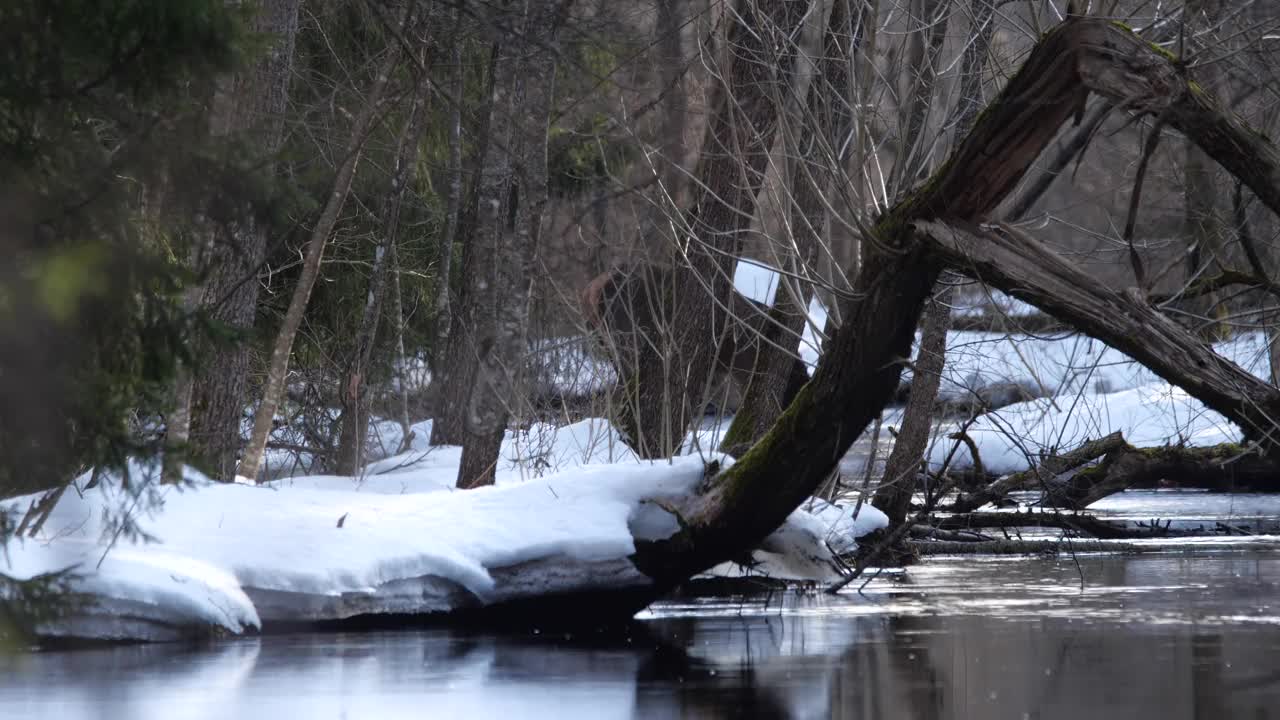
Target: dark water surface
(1164, 636)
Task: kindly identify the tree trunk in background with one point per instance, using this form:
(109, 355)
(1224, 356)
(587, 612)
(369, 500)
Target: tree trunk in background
(893, 495)
(915, 145)
(278, 371)
(837, 261)
(818, 156)
(902, 470)
(214, 400)
(453, 205)
(671, 70)
(1203, 224)
(513, 196)
(402, 363)
(1203, 229)
(354, 395)
(675, 366)
(455, 363)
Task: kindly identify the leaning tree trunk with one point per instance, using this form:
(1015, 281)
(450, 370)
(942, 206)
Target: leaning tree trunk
(818, 157)
(738, 507)
(734, 509)
(210, 405)
(353, 394)
(514, 173)
(278, 370)
(668, 385)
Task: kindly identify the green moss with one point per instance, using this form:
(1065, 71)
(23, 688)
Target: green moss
(740, 430)
(585, 156)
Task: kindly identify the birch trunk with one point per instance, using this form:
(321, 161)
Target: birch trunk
(278, 370)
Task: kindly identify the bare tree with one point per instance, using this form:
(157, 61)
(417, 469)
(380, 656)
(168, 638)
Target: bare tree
(817, 159)
(512, 195)
(354, 394)
(278, 370)
(675, 365)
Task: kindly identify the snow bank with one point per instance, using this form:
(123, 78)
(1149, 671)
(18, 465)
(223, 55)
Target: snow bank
(978, 362)
(230, 557)
(802, 548)
(1012, 438)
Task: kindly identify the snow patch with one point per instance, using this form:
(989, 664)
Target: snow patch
(1012, 438)
(400, 539)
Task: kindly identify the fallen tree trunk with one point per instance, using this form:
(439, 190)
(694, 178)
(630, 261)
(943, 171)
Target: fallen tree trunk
(1107, 59)
(1221, 468)
(860, 368)
(1048, 468)
(1081, 524)
(1022, 547)
(1023, 267)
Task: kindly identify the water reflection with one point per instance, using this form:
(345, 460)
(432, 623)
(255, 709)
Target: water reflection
(1149, 637)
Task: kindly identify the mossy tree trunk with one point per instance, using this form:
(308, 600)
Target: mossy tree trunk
(736, 508)
(816, 160)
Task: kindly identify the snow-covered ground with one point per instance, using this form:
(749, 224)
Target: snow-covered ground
(1091, 390)
(1013, 438)
(564, 516)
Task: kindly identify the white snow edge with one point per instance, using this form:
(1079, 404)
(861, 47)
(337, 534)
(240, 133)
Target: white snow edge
(232, 557)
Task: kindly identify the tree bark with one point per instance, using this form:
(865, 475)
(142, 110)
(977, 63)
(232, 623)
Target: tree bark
(453, 205)
(402, 362)
(901, 471)
(915, 145)
(669, 386)
(1021, 266)
(513, 196)
(455, 364)
(211, 403)
(671, 70)
(278, 371)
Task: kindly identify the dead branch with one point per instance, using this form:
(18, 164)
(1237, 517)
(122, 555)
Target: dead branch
(1048, 468)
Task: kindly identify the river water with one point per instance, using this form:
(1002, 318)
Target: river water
(1190, 634)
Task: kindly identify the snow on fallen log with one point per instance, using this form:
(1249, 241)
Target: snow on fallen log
(1015, 437)
(230, 558)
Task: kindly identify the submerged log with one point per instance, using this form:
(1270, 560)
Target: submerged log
(1080, 524)
(1049, 468)
(1221, 468)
